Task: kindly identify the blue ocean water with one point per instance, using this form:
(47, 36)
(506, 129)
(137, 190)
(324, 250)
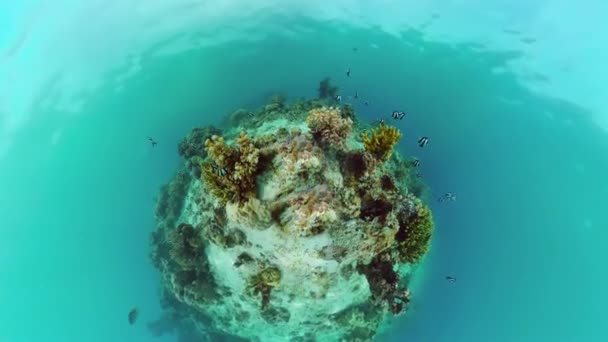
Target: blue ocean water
(511, 101)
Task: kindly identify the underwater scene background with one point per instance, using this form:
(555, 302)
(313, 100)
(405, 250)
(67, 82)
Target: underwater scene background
(510, 93)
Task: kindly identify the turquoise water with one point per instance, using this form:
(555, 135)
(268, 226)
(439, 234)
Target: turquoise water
(517, 136)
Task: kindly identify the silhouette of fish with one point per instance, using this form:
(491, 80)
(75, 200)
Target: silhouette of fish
(133, 316)
(152, 141)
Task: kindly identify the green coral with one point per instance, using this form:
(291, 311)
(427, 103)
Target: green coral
(171, 199)
(263, 282)
(414, 235)
(237, 183)
(186, 246)
(382, 141)
(188, 264)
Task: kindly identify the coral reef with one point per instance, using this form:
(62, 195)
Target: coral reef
(328, 126)
(171, 198)
(192, 148)
(194, 143)
(384, 283)
(231, 173)
(294, 228)
(382, 141)
(179, 252)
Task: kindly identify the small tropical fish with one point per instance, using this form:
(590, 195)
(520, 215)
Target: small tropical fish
(220, 171)
(356, 95)
(528, 40)
(418, 175)
(451, 279)
(416, 163)
(133, 316)
(366, 103)
(339, 98)
(397, 115)
(152, 141)
(348, 72)
(448, 196)
(510, 31)
(423, 141)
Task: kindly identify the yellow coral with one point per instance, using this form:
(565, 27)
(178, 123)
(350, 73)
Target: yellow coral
(328, 126)
(382, 141)
(218, 150)
(230, 175)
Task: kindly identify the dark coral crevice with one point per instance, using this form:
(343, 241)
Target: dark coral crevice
(375, 208)
(384, 283)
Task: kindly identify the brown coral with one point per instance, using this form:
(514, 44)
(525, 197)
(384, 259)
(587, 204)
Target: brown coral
(231, 172)
(382, 141)
(328, 126)
(263, 283)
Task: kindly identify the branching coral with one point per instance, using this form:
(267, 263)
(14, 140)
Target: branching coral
(414, 234)
(263, 283)
(231, 173)
(382, 141)
(328, 126)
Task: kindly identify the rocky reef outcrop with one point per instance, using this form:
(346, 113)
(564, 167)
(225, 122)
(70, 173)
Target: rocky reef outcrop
(293, 223)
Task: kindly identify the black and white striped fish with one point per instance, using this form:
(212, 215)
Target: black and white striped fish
(220, 171)
(397, 115)
(423, 141)
(416, 162)
(339, 98)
